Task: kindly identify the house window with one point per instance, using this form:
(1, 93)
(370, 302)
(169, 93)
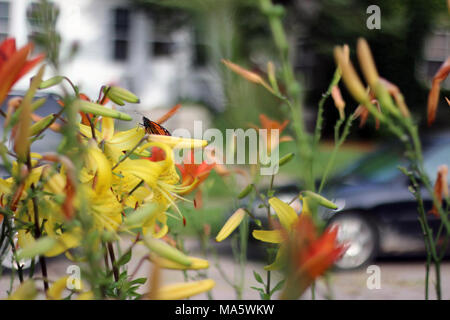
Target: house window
(121, 30)
(162, 48)
(161, 42)
(4, 20)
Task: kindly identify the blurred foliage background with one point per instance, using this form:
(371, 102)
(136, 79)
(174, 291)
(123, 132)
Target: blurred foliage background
(236, 30)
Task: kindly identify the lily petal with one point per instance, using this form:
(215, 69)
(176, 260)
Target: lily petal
(271, 236)
(285, 212)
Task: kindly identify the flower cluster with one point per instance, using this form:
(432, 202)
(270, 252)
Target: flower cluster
(106, 182)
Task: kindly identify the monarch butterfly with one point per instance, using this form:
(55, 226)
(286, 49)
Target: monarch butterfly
(151, 127)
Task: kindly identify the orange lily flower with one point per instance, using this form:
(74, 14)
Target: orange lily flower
(269, 125)
(192, 172)
(440, 187)
(433, 96)
(311, 254)
(14, 64)
(363, 113)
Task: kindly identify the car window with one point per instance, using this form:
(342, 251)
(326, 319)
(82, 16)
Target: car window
(379, 167)
(436, 157)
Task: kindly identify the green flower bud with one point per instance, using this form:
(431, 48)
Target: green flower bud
(285, 159)
(320, 199)
(51, 82)
(99, 110)
(246, 191)
(164, 250)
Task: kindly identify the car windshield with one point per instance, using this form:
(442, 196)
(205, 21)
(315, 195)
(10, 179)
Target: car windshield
(378, 167)
(437, 156)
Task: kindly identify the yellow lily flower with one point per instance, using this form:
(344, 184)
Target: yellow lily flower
(114, 142)
(288, 219)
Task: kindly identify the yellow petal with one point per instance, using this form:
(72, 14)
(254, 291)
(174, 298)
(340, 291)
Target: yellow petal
(107, 128)
(26, 291)
(89, 295)
(184, 290)
(178, 142)
(232, 223)
(102, 167)
(126, 140)
(140, 168)
(86, 131)
(272, 236)
(286, 214)
(64, 242)
(57, 288)
(5, 186)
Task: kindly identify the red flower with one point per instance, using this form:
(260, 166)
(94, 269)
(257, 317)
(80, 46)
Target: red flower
(14, 64)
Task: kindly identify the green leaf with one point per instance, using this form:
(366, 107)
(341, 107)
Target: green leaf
(278, 286)
(37, 248)
(258, 277)
(260, 290)
(124, 259)
(264, 296)
(139, 281)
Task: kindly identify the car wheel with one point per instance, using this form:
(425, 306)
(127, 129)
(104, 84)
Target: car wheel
(362, 238)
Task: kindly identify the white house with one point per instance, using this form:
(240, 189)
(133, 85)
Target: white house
(119, 44)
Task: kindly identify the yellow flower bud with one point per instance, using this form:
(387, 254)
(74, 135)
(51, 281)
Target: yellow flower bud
(367, 63)
(232, 223)
(351, 78)
(184, 290)
(248, 75)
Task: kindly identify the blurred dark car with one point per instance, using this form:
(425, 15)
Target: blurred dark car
(377, 214)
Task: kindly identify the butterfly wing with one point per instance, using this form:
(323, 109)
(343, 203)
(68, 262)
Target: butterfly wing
(151, 127)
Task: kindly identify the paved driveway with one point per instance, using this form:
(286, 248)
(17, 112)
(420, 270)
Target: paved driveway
(398, 279)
